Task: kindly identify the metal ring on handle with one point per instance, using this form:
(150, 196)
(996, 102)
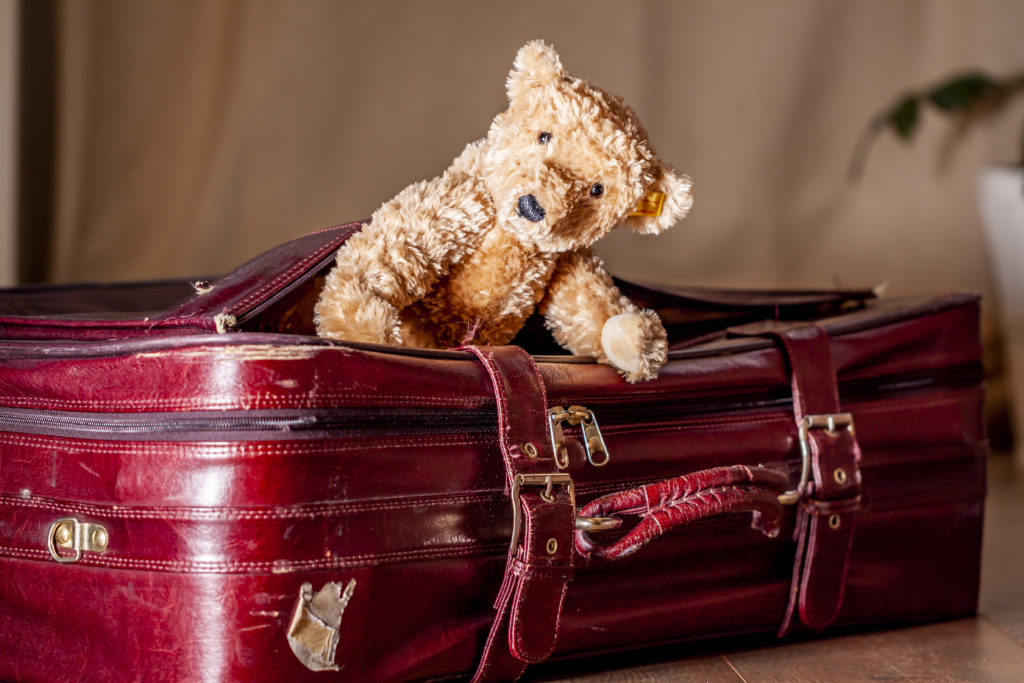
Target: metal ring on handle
(591, 524)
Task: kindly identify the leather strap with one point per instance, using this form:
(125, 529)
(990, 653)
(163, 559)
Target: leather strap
(540, 564)
(829, 502)
(674, 502)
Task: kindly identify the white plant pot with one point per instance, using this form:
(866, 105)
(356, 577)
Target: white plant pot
(1001, 196)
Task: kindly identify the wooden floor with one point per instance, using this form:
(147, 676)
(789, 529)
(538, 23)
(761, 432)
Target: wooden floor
(989, 647)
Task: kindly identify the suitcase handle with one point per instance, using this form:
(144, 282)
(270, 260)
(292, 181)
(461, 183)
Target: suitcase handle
(681, 500)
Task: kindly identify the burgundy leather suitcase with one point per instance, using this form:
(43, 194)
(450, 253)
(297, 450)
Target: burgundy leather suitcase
(196, 488)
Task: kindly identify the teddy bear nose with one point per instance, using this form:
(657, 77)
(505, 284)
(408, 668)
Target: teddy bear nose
(530, 209)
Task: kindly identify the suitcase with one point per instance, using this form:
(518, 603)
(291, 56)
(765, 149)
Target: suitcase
(196, 488)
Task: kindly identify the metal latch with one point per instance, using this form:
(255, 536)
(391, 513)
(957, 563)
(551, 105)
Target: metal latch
(597, 451)
(76, 536)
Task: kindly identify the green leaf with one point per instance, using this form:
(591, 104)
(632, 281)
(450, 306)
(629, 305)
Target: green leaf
(963, 92)
(903, 117)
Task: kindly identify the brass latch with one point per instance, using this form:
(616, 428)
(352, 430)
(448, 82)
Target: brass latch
(76, 536)
(597, 451)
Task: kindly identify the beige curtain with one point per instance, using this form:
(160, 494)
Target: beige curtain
(196, 133)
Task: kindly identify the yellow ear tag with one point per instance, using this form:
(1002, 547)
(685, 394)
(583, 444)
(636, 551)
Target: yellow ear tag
(650, 206)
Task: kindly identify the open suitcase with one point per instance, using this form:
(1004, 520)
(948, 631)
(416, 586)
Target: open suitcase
(194, 487)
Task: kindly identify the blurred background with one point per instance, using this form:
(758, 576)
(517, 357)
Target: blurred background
(145, 139)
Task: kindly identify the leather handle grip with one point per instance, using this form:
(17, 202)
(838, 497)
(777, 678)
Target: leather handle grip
(681, 500)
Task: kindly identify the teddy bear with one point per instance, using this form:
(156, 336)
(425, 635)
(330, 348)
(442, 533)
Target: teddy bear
(506, 230)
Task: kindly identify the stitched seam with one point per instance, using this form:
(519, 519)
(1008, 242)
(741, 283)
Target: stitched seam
(924, 363)
(272, 401)
(715, 493)
(694, 424)
(558, 618)
(886, 405)
(543, 399)
(516, 614)
(279, 566)
(539, 572)
(520, 589)
(486, 659)
(794, 582)
(242, 514)
(860, 408)
(809, 566)
(320, 253)
(241, 449)
(943, 361)
(805, 574)
(336, 227)
(501, 401)
(529, 533)
(243, 402)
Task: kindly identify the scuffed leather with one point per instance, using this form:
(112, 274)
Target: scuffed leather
(671, 503)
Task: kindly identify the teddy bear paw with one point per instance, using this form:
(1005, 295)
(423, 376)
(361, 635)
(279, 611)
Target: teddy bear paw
(635, 343)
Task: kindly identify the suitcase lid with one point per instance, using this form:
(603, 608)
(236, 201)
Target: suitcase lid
(276, 291)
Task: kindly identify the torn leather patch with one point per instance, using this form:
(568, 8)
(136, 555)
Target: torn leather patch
(314, 630)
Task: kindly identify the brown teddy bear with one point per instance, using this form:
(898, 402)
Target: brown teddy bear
(506, 228)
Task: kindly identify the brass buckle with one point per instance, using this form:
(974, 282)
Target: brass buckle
(548, 482)
(831, 423)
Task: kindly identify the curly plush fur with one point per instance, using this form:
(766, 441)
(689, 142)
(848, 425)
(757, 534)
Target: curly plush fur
(505, 230)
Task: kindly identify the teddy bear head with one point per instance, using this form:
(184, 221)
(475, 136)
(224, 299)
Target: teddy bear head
(567, 162)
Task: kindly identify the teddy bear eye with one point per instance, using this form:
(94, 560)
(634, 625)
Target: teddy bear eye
(544, 138)
(597, 190)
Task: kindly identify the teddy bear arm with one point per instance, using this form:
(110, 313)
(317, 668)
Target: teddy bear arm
(588, 315)
(580, 297)
(396, 260)
(348, 310)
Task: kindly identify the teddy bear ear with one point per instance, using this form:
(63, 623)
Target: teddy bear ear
(536, 64)
(667, 201)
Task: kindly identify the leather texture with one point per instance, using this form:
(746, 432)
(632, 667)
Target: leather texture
(231, 469)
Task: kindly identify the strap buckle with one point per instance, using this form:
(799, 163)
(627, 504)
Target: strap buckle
(548, 482)
(831, 423)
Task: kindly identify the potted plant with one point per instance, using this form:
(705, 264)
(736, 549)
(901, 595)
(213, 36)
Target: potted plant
(968, 98)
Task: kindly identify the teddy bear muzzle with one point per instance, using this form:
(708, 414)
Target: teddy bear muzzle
(530, 209)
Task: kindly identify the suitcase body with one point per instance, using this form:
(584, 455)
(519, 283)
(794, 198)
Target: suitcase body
(210, 493)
